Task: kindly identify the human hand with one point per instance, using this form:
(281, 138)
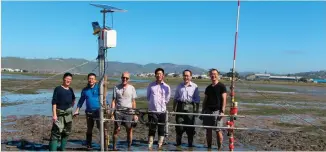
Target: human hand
(76, 114)
(135, 118)
(221, 116)
(54, 118)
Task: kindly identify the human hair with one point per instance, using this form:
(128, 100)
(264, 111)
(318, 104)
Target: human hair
(211, 70)
(67, 75)
(186, 71)
(159, 69)
(91, 74)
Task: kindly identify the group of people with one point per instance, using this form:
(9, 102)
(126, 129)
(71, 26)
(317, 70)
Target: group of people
(186, 99)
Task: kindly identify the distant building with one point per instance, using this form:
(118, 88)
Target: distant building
(262, 76)
(284, 78)
(146, 75)
(272, 78)
(11, 70)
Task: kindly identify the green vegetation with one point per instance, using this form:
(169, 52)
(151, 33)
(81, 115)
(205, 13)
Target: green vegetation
(6, 104)
(304, 128)
(289, 125)
(266, 88)
(269, 110)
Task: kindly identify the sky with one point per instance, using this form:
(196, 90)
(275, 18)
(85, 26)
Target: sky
(277, 37)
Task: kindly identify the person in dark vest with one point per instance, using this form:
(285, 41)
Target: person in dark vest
(214, 103)
(90, 94)
(62, 107)
(186, 99)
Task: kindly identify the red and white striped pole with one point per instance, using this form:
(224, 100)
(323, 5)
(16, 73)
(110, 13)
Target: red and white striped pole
(234, 105)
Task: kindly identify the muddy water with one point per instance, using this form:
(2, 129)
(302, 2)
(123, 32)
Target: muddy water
(40, 103)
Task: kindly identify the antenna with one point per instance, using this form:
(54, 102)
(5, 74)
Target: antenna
(107, 39)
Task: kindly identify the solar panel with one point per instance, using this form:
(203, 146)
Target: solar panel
(109, 8)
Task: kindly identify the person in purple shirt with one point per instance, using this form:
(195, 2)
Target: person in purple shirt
(186, 99)
(158, 95)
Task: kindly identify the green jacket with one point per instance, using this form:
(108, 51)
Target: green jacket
(64, 116)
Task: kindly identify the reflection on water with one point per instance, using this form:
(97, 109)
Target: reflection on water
(138, 145)
(41, 103)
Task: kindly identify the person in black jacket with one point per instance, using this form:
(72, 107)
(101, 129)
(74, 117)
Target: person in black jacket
(62, 102)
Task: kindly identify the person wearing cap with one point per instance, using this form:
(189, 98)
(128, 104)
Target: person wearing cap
(158, 96)
(62, 107)
(214, 103)
(186, 100)
(123, 98)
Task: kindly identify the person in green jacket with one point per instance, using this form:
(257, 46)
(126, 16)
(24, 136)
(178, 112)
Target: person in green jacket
(62, 108)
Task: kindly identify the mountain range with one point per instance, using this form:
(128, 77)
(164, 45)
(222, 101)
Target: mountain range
(55, 65)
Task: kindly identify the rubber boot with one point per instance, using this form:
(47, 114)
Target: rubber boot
(150, 142)
(178, 140)
(63, 143)
(53, 146)
(160, 142)
(89, 141)
(190, 140)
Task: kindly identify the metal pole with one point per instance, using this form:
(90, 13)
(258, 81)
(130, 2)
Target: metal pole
(166, 126)
(184, 125)
(101, 73)
(179, 113)
(105, 124)
(234, 108)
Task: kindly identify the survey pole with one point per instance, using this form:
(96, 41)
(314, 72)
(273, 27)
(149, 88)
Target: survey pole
(234, 104)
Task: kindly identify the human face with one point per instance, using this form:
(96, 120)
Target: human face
(187, 77)
(214, 75)
(159, 76)
(67, 81)
(91, 80)
(125, 78)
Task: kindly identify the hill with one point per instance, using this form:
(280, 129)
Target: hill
(313, 74)
(55, 65)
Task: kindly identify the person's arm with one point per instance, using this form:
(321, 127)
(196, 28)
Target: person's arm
(54, 112)
(196, 99)
(176, 97)
(134, 96)
(167, 94)
(224, 95)
(204, 103)
(205, 100)
(73, 97)
(114, 96)
(113, 102)
(54, 105)
(80, 102)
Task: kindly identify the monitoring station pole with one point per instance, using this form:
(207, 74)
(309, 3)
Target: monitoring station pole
(107, 39)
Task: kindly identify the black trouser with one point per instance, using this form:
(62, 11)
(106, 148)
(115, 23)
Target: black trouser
(185, 119)
(90, 116)
(156, 118)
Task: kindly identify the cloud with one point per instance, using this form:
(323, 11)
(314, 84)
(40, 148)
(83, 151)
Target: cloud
(293, 52)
